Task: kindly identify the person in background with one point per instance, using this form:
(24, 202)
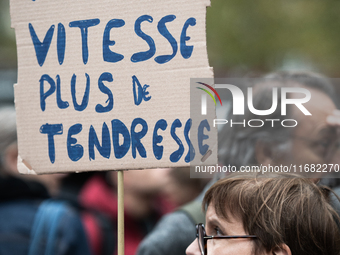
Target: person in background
(271, 214)
(94, 194)
(26, 224)
(182, 189)
(149, 194)
(314, 140)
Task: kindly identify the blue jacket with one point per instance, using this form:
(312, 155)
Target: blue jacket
(19, 202)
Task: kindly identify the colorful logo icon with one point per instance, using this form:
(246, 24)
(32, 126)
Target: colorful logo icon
(209, 93)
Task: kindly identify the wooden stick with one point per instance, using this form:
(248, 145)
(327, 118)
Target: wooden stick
(120, 189)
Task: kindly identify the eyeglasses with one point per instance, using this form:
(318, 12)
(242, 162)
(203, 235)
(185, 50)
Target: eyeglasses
(202, 238)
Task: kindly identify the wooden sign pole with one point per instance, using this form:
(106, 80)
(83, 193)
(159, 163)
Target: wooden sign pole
(120, 191)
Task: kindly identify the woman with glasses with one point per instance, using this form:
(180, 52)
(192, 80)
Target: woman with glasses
(249, 215)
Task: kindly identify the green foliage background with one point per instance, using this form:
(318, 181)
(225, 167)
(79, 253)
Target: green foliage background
(251, 37)
(258, 36)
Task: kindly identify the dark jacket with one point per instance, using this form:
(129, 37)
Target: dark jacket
(19, 202)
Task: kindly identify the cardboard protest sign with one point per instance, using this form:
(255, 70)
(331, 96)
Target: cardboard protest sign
(105, 85)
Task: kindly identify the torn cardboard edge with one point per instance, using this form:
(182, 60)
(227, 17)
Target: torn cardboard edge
(24, 167)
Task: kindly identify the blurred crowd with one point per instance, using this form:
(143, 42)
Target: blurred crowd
(89, 196)
(76, 213)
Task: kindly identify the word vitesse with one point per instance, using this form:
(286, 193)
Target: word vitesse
(42, 47)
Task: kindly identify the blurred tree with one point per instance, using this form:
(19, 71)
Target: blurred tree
(8, 57)
(251, 36)
(263, 35)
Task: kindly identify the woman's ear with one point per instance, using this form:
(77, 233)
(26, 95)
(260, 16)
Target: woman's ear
(282, 250)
